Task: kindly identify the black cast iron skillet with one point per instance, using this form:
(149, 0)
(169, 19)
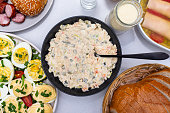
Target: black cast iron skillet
(55, 81)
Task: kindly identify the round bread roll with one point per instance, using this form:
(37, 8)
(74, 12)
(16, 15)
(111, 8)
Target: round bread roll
(29, 7)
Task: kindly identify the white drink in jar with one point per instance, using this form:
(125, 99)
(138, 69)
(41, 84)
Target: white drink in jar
(125, 15)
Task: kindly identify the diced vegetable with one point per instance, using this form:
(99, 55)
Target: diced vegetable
(27, 100)
(156, 37)
(18, 74)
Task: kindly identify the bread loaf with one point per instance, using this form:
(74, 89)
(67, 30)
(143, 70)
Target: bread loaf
(150, 95)
(29, 7)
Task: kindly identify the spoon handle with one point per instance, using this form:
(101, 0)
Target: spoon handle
(149, 56)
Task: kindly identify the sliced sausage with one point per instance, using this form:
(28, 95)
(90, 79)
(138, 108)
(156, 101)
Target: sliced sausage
(19, 18)
(2, 7)
(10, 10)
(4, 20)
(3, 1)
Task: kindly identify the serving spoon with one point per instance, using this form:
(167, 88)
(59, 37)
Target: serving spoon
(149, 56)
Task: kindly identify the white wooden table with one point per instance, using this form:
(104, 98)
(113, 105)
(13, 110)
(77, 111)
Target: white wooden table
(131, 42)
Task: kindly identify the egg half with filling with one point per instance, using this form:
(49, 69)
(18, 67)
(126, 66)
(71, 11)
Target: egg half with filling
(6, 45)
(44, 93)
(40, 108)
(1, 110)
(6, 71)
(3, 91)
(21, 87)
(21, 54)
(12, 104)
(34, 71)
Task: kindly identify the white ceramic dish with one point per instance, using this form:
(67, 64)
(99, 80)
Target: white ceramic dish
(29, 21)
(140, 29)
(18, 40)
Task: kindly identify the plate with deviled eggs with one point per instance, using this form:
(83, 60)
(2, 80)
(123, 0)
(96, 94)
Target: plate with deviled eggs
(24, 87)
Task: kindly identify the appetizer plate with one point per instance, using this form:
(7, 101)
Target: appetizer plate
(18, 40)
(130, 76)
(55, 80)
(145, 36)
(29, 21)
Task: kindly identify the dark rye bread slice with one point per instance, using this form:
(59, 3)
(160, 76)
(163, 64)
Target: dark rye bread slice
(150, 99)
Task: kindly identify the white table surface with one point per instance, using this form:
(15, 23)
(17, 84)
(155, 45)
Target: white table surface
(131, 42)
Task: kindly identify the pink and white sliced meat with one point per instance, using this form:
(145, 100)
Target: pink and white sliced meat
(2, 7)
(3, 1)
(10, 10)
(19, 18)
(4, 20)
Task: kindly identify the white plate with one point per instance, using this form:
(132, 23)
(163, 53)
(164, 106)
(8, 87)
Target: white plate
(139, 27)
(29, 21)
(149, 39)
(18, 40)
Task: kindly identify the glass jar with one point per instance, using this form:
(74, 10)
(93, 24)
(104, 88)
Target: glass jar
(125, 15)
(88, 4)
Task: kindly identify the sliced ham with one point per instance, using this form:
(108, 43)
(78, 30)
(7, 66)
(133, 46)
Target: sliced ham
(4, 20)
(19, 18)
(10, 10)
(157, 25)
(2, 7)
(1, 1)
(160, 6)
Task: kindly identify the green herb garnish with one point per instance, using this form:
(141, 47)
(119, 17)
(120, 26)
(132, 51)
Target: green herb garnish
(12, 108)
(44, 94)
(26, 63)
(2, 85)
(38, 109)
(2, 62)
(36, 94)
(11, 86)
(40, 76)
(20, 91)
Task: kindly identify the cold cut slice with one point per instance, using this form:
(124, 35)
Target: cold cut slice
(160, 6)
(19, 18)
(157, 25)
(4, 20)
(2, 7)
(3, 1)
(10, 10)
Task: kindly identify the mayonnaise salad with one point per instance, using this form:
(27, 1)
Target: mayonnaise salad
(71, 55)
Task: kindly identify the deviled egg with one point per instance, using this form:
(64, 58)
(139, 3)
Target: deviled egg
(6, 71)
(12, 104)
(1, 110)
(40, 108)
(21, 54)
(44, 93)
(34, 71)
(3, 91)
(21, 87)
(6, 45)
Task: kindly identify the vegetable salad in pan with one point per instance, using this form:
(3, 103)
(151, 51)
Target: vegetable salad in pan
(71, 55)
(22, 89)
